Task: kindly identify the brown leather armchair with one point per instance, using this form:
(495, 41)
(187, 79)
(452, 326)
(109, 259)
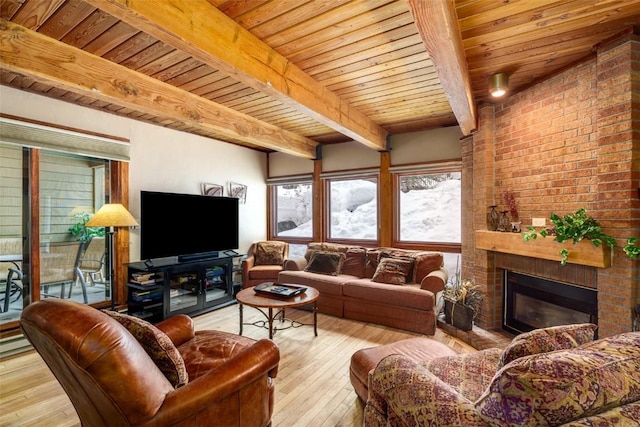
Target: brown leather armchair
(264, 261)
(112, 381)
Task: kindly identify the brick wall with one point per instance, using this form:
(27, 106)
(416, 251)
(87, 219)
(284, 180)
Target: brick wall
(565, 143)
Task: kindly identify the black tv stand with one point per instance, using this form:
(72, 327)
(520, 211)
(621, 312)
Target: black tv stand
(198, 257)
(188, 287)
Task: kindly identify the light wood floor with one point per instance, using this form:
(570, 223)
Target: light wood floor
(312, 387)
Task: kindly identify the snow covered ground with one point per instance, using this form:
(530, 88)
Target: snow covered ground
(427, 215)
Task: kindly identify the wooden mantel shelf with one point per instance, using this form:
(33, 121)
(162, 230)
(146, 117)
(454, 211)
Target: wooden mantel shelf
(583, 253)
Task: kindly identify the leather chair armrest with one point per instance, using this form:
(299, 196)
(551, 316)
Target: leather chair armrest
(435, 280)
(403, 391)
(247, 366)
(179, 328)
(297, 264)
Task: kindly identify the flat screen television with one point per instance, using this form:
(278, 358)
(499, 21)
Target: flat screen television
(187, 226)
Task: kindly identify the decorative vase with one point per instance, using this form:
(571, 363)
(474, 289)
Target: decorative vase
(504, 224)
(493, 218)
(458, 315)
(516, 226)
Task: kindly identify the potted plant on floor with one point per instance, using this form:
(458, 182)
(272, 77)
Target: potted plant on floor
(462, 301)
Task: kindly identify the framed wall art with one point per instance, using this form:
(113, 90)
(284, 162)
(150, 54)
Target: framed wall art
(238, 191)
(214, 190)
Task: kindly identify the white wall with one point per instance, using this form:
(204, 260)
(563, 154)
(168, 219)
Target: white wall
(161, 159)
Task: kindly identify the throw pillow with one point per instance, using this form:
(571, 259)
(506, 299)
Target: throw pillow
(392, 270)
(551, 389)
(269, 253)
(329, 263)
(158, 346)
(400, 254)
(547, 339)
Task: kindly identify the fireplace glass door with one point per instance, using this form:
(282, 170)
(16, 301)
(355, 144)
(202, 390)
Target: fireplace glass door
(532, 302)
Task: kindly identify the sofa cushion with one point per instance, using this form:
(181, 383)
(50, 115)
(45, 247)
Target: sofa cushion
(560, 386)
(324, 283)
(469, 374)
(547, 339)
(324, 247)
(391, 295)
(269, 253)
(210, 349)
(355, 261)
(425, 263)
(157, 345)
(392, 270)
(325, 263)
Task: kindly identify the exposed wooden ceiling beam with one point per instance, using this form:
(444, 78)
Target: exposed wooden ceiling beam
(49, 61)
(438, 26)
(206, 33)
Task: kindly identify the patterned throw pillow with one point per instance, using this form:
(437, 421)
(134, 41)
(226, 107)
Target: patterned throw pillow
(392, 270)
(329, 263)
(269, 253)
(546, 340)
(157, 345)
(550, 389)
(402, 255)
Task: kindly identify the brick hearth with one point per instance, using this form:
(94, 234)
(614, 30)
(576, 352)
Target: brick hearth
(565, 143)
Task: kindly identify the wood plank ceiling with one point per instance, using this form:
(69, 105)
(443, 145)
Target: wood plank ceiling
(287, 75)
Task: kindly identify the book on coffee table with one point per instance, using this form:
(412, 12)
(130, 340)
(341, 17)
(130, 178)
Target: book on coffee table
(279, 289)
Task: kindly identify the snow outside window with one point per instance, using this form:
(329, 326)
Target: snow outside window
(353, 205)
(429, 208)
(294, 210)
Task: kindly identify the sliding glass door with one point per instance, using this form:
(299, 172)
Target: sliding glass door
(70, 188)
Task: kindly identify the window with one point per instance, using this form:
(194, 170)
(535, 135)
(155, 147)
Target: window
(352, 208)
(293, 207)
(429, 207)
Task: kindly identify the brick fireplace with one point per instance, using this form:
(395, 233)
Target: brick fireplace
(568, 142)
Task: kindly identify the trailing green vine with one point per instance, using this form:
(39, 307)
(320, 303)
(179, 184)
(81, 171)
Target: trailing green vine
(578, 226)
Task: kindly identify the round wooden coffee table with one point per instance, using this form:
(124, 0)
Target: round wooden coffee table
(259, 301)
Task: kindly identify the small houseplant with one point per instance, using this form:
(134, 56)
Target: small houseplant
(462, 299)
(81, 232)
(577, 226)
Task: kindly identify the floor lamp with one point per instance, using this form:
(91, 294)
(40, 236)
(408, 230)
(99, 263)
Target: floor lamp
(111, 215)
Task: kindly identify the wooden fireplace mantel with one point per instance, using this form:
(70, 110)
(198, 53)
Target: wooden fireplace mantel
(583, 253)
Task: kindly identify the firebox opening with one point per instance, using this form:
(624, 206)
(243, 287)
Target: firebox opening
(532, 302)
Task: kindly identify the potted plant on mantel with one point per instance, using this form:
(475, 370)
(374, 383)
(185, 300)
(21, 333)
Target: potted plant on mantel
(577, 226)
(462, 299)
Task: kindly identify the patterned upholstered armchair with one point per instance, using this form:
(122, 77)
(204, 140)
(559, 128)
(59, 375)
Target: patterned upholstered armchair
(549, 377)
(263, 262)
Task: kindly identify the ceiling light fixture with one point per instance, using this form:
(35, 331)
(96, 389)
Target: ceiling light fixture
(498, 84)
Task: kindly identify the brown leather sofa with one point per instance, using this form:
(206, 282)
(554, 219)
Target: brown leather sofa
(113, 381)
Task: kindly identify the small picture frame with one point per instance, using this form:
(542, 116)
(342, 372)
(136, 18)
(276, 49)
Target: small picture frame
(238, 191)
(213, 190)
